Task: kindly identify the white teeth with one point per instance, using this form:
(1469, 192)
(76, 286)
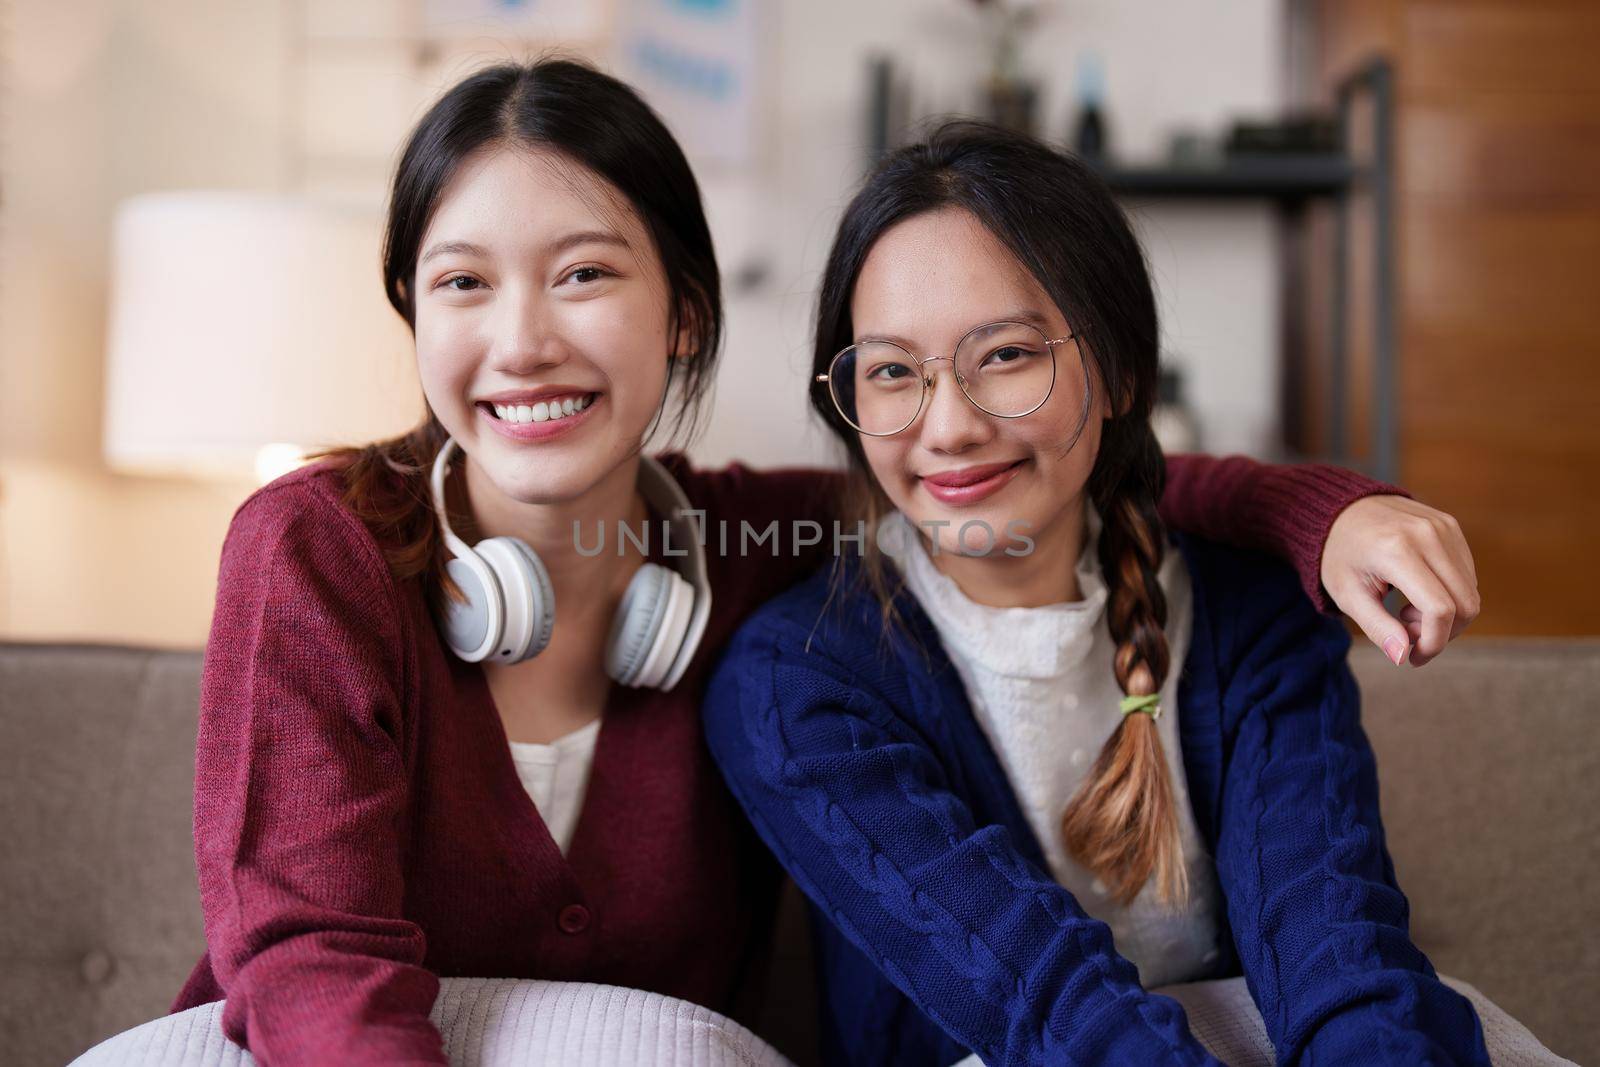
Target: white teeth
(541, 412)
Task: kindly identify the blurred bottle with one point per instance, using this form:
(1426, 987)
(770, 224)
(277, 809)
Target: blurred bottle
(1090, 137)
(1173, 421)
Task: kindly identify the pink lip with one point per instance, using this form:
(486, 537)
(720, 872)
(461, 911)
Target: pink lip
(538, 431)
(970, 484)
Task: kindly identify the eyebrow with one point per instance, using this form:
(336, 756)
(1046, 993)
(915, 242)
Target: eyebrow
(1032, 318)
(556, 247)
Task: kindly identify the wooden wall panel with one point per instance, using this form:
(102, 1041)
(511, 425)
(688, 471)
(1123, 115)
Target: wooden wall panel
(1542, 46)
(1471, 264)
(1498, 249)
(1504, 149)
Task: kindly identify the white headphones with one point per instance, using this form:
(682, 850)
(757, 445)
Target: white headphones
(510, 610)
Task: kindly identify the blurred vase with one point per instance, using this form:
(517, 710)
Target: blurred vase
(1090, 134)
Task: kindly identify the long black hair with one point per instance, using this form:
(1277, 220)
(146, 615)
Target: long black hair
(1060, 220)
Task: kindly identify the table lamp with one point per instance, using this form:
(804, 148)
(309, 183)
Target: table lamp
(246, 329)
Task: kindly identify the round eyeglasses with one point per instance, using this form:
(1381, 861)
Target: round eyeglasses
(1006, 369)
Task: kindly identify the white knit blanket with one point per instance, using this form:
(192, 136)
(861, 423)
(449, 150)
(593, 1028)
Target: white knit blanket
(503, 1022)
(495, 1022)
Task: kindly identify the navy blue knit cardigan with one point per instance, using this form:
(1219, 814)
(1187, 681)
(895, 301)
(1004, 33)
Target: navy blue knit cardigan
(938, 928)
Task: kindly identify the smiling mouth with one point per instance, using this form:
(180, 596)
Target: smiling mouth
(541, 411)
(971, 476)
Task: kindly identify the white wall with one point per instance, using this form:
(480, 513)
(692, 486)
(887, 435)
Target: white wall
(104, 99)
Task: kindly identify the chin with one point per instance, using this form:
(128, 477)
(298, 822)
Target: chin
(545, 479)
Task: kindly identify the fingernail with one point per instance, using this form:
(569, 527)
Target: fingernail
(1395, 649)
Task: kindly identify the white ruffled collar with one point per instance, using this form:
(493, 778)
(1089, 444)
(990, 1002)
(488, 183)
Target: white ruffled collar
(1043, 642)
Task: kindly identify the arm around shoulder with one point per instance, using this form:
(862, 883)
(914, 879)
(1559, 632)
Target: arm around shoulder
(1280, 508)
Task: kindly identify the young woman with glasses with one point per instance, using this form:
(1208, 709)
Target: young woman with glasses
(406, 767)
(1032, 752)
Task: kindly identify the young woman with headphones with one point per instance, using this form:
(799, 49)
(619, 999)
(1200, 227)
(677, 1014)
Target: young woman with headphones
(407, 768)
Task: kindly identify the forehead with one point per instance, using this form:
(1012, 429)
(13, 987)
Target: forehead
(934, 276)
(510, 196)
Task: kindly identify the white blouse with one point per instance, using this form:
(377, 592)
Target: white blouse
(1042, 686)
(556, 776)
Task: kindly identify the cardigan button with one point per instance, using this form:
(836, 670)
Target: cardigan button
(574, 919)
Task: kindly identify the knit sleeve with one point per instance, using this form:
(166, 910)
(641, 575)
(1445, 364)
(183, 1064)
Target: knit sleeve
(858, 809)
(300, 787)
(1319, 921)
(1283, 509)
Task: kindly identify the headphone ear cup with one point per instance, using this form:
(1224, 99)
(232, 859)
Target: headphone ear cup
(634, 626)
(649, 626)
(528, 597)
(473, 627)
(543, 615)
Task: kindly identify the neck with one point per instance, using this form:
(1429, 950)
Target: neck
(1047, 575)
(548, 529)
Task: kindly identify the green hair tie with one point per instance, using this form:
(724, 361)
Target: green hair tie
(1150, 705)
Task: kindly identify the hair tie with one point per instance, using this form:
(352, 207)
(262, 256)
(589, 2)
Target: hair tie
(1150, 705)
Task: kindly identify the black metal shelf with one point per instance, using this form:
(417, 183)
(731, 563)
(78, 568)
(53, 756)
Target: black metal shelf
(1281, 178)
(1290, 182)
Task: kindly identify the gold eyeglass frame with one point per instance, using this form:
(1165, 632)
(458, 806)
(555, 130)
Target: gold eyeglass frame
(927, 378)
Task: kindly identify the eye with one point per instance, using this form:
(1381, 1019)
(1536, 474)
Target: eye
(468, 283)
(586, 275)
(1006, 355)
(888, 372)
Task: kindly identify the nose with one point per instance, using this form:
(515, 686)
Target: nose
(949, 421)
(524, 336)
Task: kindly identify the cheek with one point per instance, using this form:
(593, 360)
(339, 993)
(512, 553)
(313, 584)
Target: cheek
(626, 340)
(884, 455)
(887, 459)
(443, 360)
(1064, 464)
(1063, 429)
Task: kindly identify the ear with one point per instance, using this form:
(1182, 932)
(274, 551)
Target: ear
(683, 337)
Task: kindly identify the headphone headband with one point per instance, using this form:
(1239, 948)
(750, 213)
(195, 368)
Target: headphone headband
(441, 467)
(662, 490)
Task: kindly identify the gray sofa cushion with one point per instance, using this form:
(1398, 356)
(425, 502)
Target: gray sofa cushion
(1488, 761)
(102, 911)
(1489, 776)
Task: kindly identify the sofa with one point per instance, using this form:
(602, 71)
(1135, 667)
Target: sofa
(1489, 761)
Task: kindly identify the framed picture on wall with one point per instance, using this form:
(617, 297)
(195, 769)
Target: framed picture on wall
(698, 63)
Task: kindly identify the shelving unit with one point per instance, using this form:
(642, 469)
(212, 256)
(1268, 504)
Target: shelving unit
(1289, 179)
(1291, 182)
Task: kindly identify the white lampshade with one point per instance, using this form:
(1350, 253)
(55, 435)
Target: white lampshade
(243, 324)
